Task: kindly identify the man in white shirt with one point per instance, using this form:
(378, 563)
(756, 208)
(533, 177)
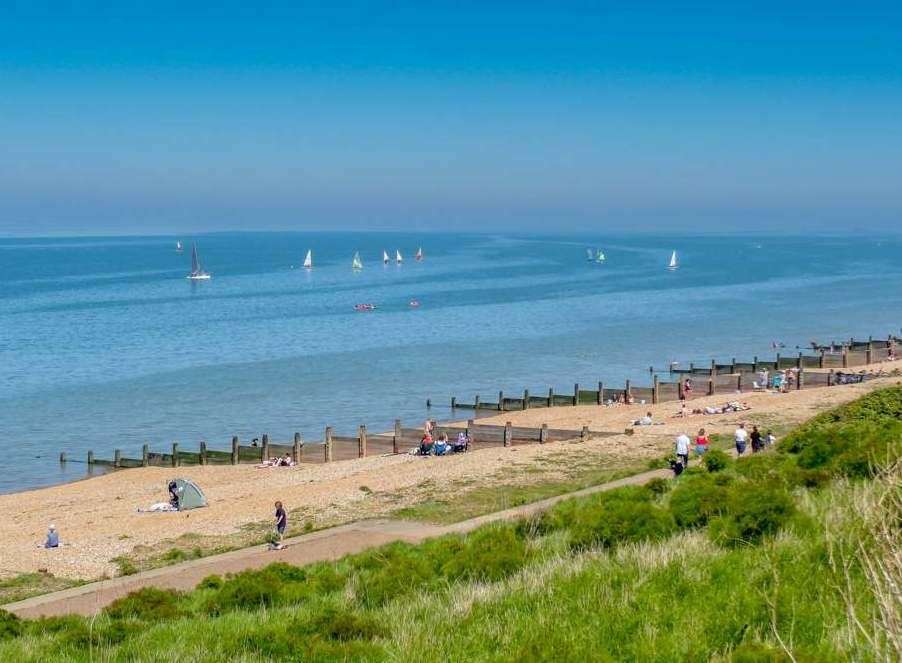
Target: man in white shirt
(682, 449)
(740, 436)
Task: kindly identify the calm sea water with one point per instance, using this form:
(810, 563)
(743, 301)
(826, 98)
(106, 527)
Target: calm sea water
(104, 344)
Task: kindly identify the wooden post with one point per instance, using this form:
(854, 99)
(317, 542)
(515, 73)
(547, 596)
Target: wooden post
(755, 365)
(145, 456)
(711, 386)
(90, 458)
(297, 450)
(543, 434)
(739, 383)
(799, 361)
(713, 368)
(584, 434)
(550, 396)
(600, 392)
(820, 361)
(327, 445)
(476, 403)
(471, 430)
(830, 378)
(501, 401)
(526, 399)
(265, 446)
(681, 394)
(654, 390)
(870, 352)
(627, 392)
(800, 379)
(117, 458)
(175, 454)
(203, 452)
(361, 441)
(733, 365)
(235, 455)
(396, 439)
(777, 363)
(845, 358)
(62, 456)
(508, 434)
(453, 402)
(576, 393)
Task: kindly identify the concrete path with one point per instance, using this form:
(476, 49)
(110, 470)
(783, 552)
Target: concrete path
(330, 544)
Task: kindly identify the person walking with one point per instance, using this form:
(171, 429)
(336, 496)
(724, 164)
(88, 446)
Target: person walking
(281, 525)
(740, 437)
(701, 442)
(682, 449)
(757, 442)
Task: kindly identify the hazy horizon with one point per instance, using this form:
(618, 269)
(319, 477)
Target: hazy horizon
(479, 118)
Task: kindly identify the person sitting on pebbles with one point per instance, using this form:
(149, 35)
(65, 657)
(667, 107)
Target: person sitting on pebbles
(53, 538)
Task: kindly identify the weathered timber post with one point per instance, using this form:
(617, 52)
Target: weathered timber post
(145, 455)
(265, 447)
(713, 368)
(777, 364)
(501, 401)
(175, 454)
(90, 458)
(428, 403)
(543, 434)
(600, 392)
(526, 399)
(576, 393)
(739, 383)
(361, 441)
(476, 403)
(654, 390)
(471, 430)
(799, 361)
(327, 445)
(830, 378)
(235, 455)
(453, 402)
(117, 458)
(733, 365)
(711, 386)
(396, 439)
(627, 392)
(869, 354)
(203, 452)
(297, 450)
(584, 434)
(820, 361)
(800, 379)
(845, 357)
(508, 434)
(550, 396)
(681, 394)
(755, 364)
(62, 456)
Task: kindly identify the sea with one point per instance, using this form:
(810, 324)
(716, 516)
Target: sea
(104, 344)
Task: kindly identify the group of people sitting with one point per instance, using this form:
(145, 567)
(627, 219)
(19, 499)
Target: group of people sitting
(622, 399)
(781, 381)
(430, 446)
(284, 461)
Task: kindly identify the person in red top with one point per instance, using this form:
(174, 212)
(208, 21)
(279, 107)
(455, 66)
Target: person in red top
(701, 442)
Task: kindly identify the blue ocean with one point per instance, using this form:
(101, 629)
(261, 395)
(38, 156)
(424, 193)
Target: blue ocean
(105, 344)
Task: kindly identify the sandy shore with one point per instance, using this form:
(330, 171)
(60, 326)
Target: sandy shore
(98, 521)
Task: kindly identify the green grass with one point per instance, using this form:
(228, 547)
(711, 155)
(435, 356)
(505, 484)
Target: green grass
(765, 559)
(26, 585)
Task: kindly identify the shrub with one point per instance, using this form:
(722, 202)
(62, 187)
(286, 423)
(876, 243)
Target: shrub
(126, 566)
(247, 590)
(391, 571)
(694, 502)
(658, 486)
(488, 554)
(619, 516)
(716, 460)
(211, 582)
(10, 625)
(345, 625)
(148, 604)
(753, 511)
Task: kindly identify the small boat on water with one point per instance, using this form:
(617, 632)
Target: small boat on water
(364, 307)
(308, 260)
(590, 255)
(398, 258)
(673, 265)
(385, 258)
(197, 272)
(178, 246)
(357, 263)
(599, 256)
(419, 254)
(413, 303)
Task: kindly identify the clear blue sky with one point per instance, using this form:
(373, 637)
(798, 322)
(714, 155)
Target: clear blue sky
(474, 115)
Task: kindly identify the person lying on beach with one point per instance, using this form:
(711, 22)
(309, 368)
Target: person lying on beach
(159, 507)
(441, 446)
(644, 421)
(462, 443)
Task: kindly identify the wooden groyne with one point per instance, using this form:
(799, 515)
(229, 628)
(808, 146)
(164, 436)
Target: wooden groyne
(705, 379)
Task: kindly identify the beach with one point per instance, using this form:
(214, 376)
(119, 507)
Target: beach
(98, 519)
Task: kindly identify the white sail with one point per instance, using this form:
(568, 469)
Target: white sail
(590, 255)
(308, 260)
(197, 272)
(673, 261)
(356, 263)
(419, 254)
(599, 256)
(384, 257)
(178, 246)
(398, 258)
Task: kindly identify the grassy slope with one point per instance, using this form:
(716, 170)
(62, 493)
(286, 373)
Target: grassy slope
(544, 590)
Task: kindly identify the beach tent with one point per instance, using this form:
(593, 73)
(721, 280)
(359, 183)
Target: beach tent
(190, 495)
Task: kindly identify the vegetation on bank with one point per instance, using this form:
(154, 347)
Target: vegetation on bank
(786, 555)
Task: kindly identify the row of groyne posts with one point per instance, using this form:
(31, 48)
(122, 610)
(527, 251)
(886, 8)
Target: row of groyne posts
(335, 447)
(708, 379)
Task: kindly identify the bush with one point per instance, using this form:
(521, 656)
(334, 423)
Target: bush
(619, 516)
(716, 460)
(344, 625)
(10, 625)
(753, 512)
(488, 554)
(246, 590)
(695, 501)
(148, 604)
(211, 582)
(658, 486)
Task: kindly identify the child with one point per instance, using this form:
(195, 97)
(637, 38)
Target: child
(281, 525)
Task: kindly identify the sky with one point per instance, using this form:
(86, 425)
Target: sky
(150, 117)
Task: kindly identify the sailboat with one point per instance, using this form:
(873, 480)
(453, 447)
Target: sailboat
(673, 264)
(419, 254)
(308, 260)
(385, 258)
(356, 264)
(178, 246)
(599, 256)
(197, 272)
(398, 258)
(590, 255)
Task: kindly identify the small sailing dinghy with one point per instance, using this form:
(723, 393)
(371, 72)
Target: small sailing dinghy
(419, 254)
(178, 246)
(673, 264)
(308, 260)
(590, 255)
(197, 272)
(356, 263)
(398, 258)
(599, 256)
(385, 259)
